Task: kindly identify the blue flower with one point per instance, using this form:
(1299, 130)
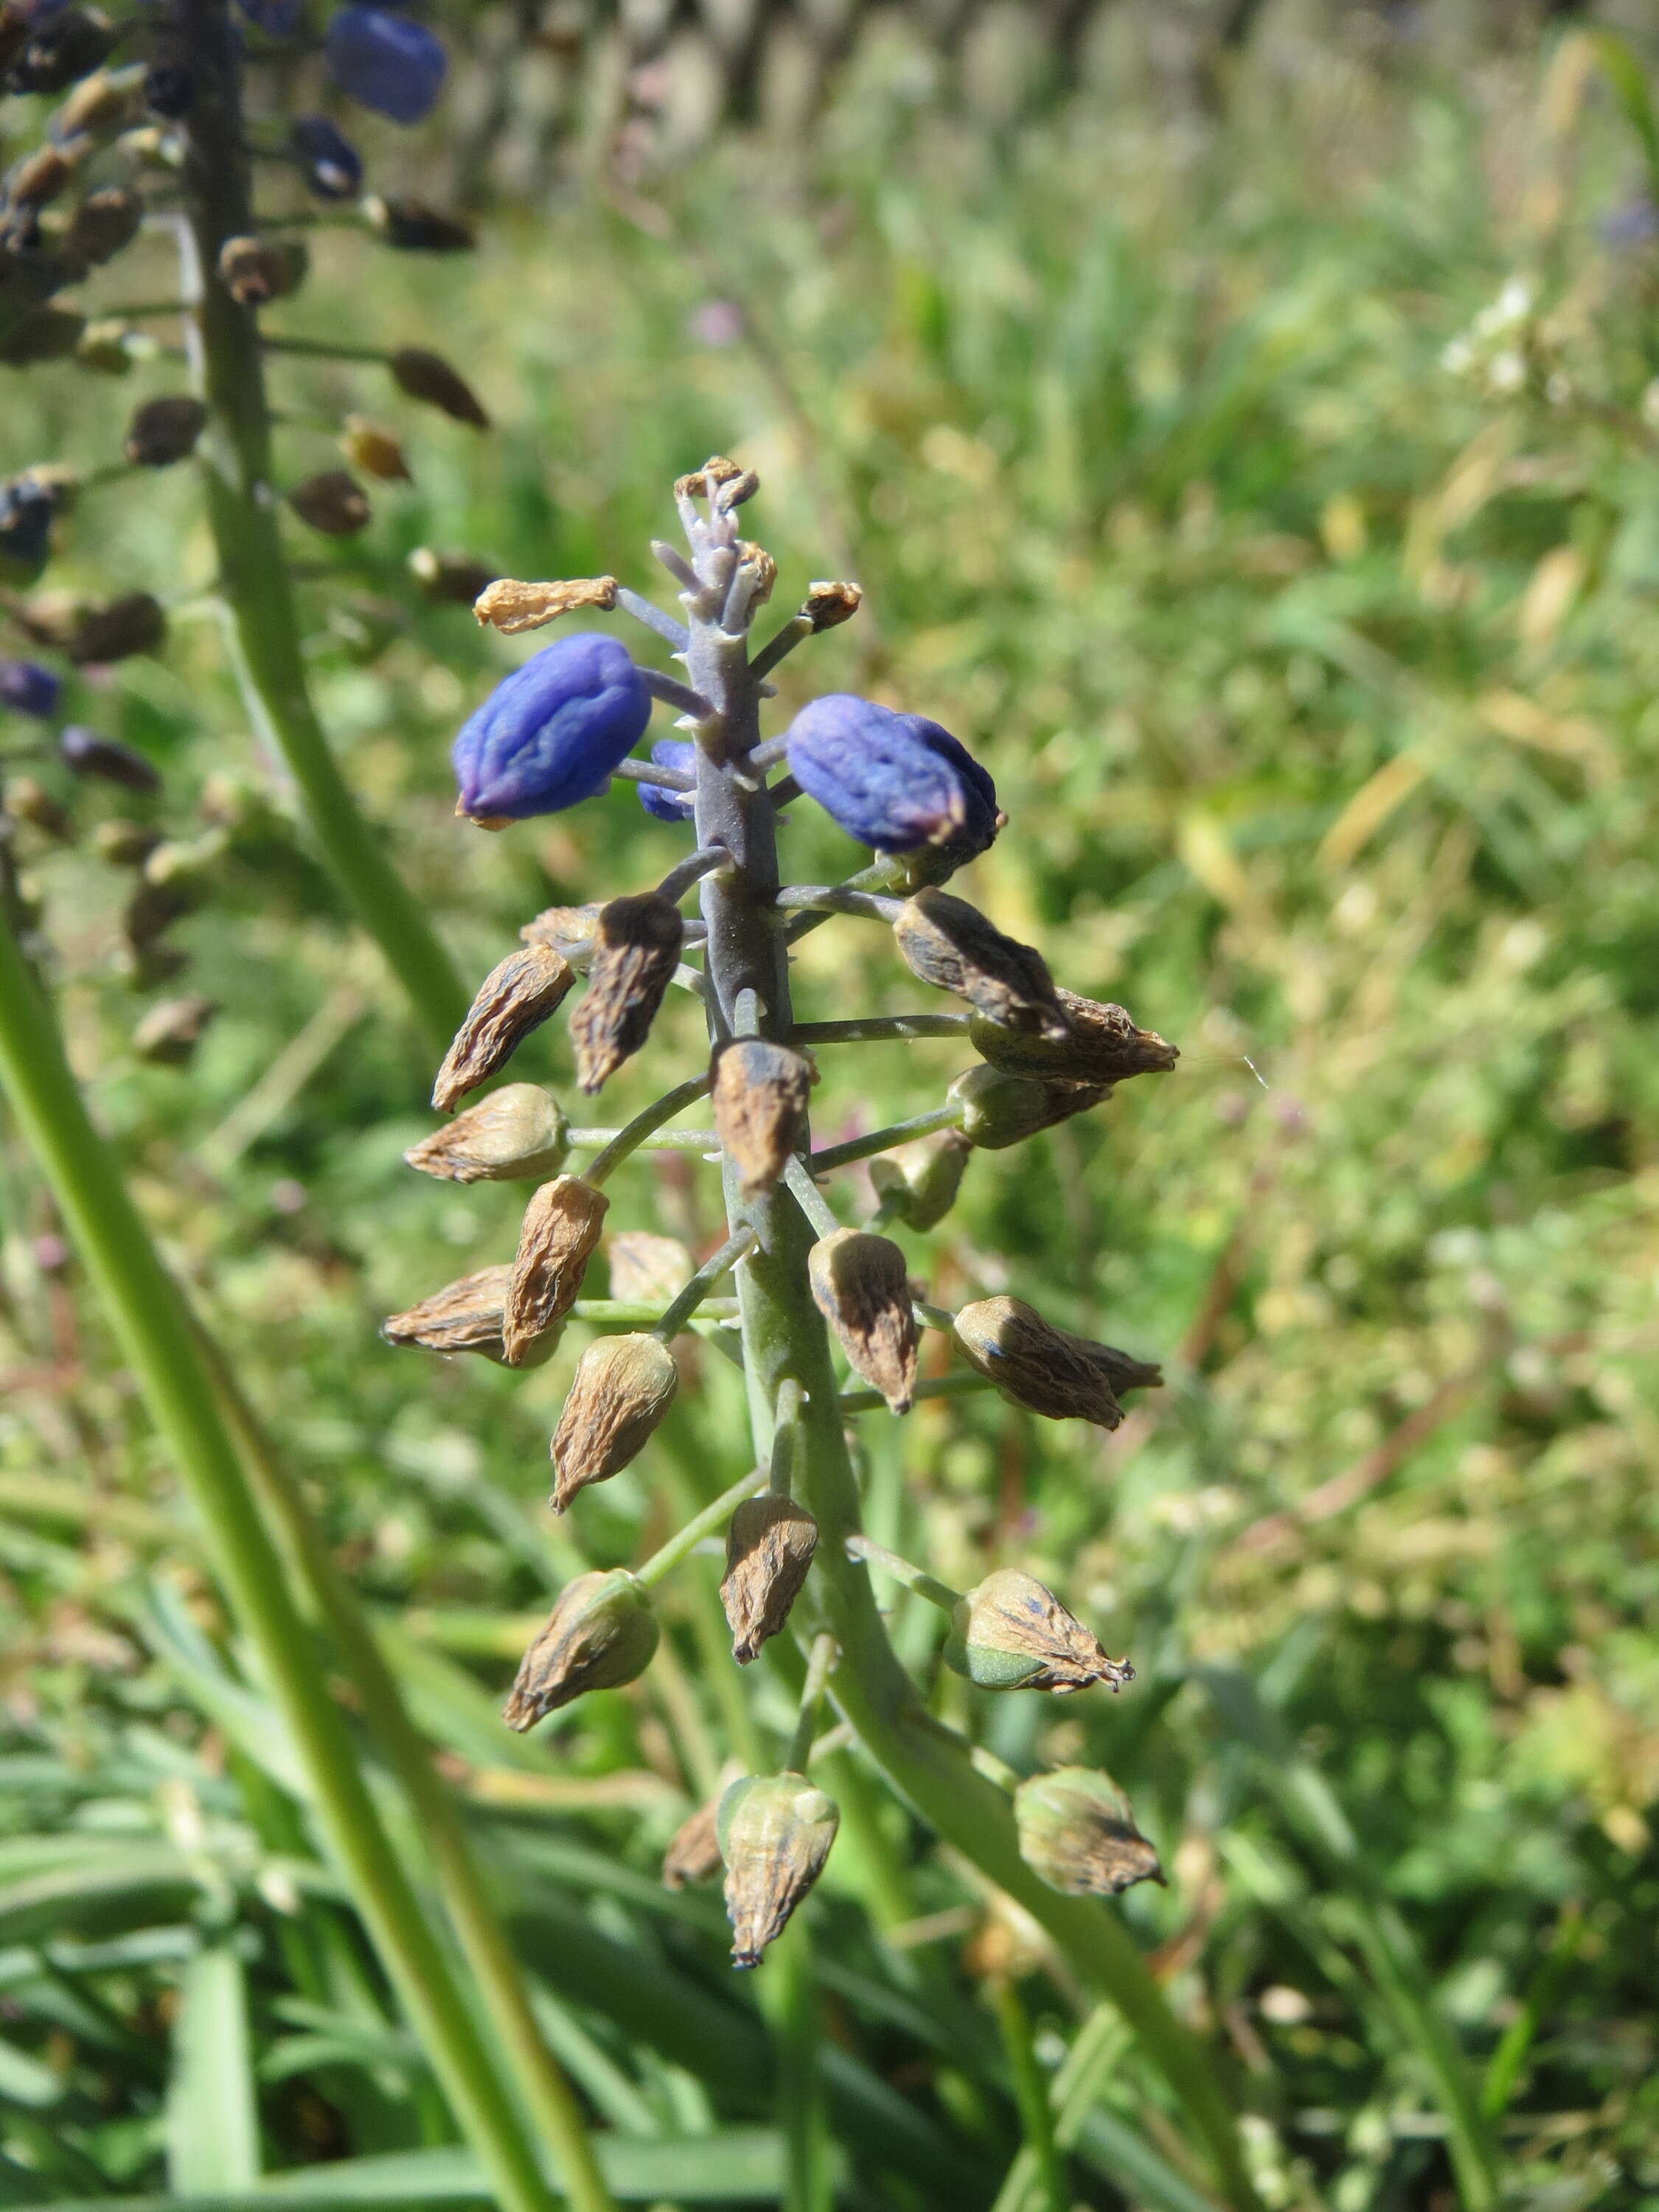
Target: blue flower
(551, 733)
(384, 62)
(28, 689)
(656, 797)
(333, 167)
(894, 782)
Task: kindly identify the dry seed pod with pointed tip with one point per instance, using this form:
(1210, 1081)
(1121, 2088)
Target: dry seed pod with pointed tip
(601, 1633)
(511, 607)
(1012, 1632)
(517, 996)
(636, 949)
(428, 377)
(827, 605)
(760, 1092)
(646, 1269)
(464, 1317)
(862, 1288)
(768, 1548)
(950, 945)
(1104, 1045)
(332, 502)
(1076, 1830)
(1036, 1365)
(164, 430)
(775, 1830)
(1122, 1371)
(999, 1109)
(623, 1387)
(375, 450)
(694, 1849)
(516, 1133)
(557, 1238)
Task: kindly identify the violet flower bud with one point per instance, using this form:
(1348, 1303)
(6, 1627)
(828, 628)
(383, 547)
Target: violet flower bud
(89, 754)
(550, 735)
(383, 61)
(27, 688)
(656, 797)
(332, 166)
(894, 782)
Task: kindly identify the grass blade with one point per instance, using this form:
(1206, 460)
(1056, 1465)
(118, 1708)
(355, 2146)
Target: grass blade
(212, 2118)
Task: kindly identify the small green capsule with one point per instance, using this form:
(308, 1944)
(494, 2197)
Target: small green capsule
(1077, 1831)
(775, 1832)
(1012, 1632)
(602, 1632)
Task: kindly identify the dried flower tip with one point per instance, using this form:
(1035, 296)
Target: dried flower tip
(566, 928)
(463, 1316)
(516, 997)
(428, 377)
(332, 502)
(863, 1290)
(1036, 1365)
(694, 1850)
(768, 1548)
(600, 1634)
(557, 1238)
(704, 483)
(27, 798)
(39, 177)
(919, 1183)
(999, 1110)
(102, 225)
(636, 949)
(646, 1269)
(950, 945)
(413, 228)
(760, 1093)
(1122, 1371)
(376, 450)
(1104, 1045)
(774, 1831)
(257, 271)
(452, 579)
(164, 430)
(764, 568)
(516, 1133)
(135, 622)
(827, 605)
(100, 102)
(168, 1034)
(623, 1386)
(513, 607)
(1076, 1832)
(1012, 1632)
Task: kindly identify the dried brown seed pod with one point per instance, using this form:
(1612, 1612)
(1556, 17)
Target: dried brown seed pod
(999, 1109)
(760, 1093)
(375, 450)
(920, 1181)
(256, 270)
(331, 502)
(827, 605)
(557, 1238)
(511, 607)
(1104, 1045)
(1012, 1632)
(1034, 1364)
(1077, 1831)
(694, 1850)
(862, 1288)
(704, 483)
(48, 334)
(39, 177)
(636, 949)
(764, 568)
(135, 622)
(100, 102)
(463, 1316)
(102, 225)
(948, 942)
(415, 226)
(517, 996)
(623, 1387)
(768, 1548)
(164, 430)
(428, 377)
(169, 1034)
(516, 1133)
(1122, 1371)
(450, 579)
(562, 926)
(646, 1269)
(774, 1831)
(601, 1633)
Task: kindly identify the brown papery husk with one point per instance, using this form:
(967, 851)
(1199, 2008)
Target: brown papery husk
(951, 945)
(760, 1092)
(768, 1548)
(561, 1227)
(862, 1288)
(636, 949)
(623, 1387)
(1033, 1362)
(517, 996)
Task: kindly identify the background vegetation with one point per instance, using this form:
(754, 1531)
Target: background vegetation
(1268, 493)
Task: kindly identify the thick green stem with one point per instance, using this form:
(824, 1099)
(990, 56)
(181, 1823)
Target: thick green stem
(226, 360)
(156, 1335)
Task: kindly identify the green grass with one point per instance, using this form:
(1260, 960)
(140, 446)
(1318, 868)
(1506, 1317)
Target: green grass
(1317, 681)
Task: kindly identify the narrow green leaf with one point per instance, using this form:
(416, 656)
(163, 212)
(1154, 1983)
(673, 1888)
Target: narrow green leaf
(1629, 81)
(212, 2118)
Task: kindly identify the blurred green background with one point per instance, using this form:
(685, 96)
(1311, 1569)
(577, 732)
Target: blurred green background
(1255, 460)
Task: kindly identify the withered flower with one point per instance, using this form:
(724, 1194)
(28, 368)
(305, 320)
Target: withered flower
(164, 430)
(623, 1387)
(256, 270)
(517, 996)
(948, 942)
(646, 1269)
(862, 1288)
(920, 1182)
(768, 1548)
(511, 607)
(562, 927)
(694, 1850)
(428, 377)
(601, 1633)
(760, 1092)
(775, 1830)
(559, 1230)
(999, 1109)
(516, 1133)
(464, 1317)
(1104, 1045)
(1033, 1362)
(1077, 1831)
(1012, 1632)
(636, 949)
(332, 502)
(827, 605)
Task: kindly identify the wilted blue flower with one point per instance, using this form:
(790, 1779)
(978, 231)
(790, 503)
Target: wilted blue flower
(26, 511)
(656, 797)
(384, 62)
(89, 754)
(333, 167)
(28, 689)
(894, 782)
(551, 733)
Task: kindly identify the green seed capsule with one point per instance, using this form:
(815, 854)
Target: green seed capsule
(1077, 1831)
(999, 1110)
(1012, 1632)
(602, 1632)
(775, 1832)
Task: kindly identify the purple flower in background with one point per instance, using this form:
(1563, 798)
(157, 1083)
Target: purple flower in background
(333, 167)
(28, 689)
(894, 782)
(384, 62)
(550, 734)
(656, 797)
(89, 754)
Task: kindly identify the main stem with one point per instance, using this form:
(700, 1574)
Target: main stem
(242, 512)
(785, 1339)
